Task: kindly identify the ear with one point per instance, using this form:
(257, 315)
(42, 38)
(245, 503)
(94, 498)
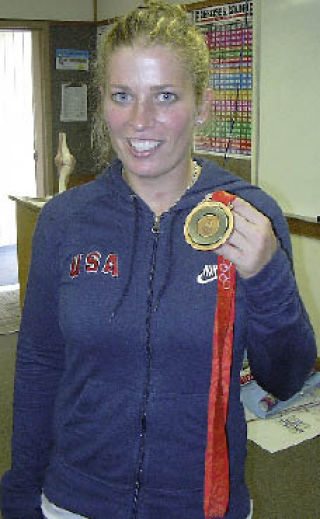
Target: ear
(204, 108)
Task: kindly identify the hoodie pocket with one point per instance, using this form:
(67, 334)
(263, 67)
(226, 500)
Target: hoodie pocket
(100, 436)
(176, 441)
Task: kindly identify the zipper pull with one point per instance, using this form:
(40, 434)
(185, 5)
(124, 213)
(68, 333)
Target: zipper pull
(156, 224)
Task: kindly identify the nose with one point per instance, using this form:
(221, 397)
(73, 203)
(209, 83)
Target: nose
(142, 114)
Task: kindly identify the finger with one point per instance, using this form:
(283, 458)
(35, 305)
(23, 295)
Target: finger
(247, 211)
(238, 239)
(250, 223)
(231, 253)
(242, 225)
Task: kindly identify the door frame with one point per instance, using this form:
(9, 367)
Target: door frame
(41, 101)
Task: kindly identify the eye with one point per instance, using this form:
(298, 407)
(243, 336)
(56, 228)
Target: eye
(167, 97)
(121, 97)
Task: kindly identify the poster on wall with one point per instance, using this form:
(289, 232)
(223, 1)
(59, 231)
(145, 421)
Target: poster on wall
(228, 33)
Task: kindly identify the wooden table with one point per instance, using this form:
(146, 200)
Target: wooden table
(27, 212)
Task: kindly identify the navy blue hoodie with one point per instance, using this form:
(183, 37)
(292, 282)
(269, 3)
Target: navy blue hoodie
(115, 348)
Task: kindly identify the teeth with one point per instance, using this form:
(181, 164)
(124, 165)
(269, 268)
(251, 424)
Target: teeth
(144, 145)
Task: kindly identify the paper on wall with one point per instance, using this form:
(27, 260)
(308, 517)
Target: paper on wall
(73, 102)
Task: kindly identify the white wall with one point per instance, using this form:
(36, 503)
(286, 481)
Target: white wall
(289, 73)
(285, 130)
(68, 10)
(107, 9)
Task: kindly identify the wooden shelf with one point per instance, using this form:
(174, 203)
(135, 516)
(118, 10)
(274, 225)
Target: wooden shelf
(303, 227)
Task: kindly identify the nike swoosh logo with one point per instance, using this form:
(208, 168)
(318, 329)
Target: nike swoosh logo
(203, 281)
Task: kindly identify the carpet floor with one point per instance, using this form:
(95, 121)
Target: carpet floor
(8, 345)
(10, 313)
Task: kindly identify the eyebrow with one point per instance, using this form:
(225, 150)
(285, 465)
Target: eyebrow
(118, 85)
(153, 88)
(163, 87)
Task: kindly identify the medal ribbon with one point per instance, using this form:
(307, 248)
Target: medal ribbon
(217, 484)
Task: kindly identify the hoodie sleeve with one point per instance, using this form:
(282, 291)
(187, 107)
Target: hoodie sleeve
(39, 364)
(281, 344)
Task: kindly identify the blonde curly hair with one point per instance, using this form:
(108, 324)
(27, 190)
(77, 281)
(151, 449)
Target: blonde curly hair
(156, 23)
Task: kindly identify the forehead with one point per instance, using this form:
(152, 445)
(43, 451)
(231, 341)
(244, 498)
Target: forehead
(156, 64)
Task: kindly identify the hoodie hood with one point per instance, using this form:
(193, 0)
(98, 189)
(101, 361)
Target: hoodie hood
(212, 178)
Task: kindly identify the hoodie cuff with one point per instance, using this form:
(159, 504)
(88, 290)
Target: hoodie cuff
(17, 501)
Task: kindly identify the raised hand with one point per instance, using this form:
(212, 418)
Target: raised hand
(252, 242)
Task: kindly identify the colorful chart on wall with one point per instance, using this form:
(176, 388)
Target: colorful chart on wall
(228, 33)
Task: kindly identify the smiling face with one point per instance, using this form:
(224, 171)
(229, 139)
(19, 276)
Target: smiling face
(150, 110)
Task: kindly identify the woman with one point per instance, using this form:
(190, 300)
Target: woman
(116, 386)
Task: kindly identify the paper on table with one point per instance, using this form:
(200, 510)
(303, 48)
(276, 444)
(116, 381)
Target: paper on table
(290, 427)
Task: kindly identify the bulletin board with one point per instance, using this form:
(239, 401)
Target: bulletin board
(228, 33)
(72, 102)
(286, 133)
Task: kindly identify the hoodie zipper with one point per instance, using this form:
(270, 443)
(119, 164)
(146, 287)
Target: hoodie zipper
(143, 422)
(156, 224)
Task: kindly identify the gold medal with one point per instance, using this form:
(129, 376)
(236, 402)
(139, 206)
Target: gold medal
(209, 225)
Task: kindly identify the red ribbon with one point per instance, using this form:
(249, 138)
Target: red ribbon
(217, 484)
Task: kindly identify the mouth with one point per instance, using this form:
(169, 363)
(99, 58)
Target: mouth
(143, 145)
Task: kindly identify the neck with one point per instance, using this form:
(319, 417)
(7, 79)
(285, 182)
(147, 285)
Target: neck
(161, 194)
